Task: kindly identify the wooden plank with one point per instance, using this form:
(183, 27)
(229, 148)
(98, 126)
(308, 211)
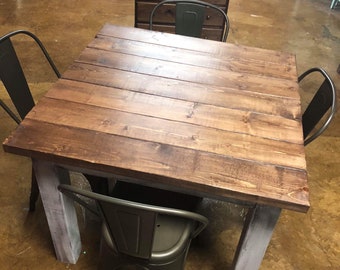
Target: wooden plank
(184, 56)
(189, 73)
(213, 116)
(174, 133)
(202, 45)
(158, 164)
(235, 95)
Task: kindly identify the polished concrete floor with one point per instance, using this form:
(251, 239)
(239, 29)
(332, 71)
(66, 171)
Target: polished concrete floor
(307, 28)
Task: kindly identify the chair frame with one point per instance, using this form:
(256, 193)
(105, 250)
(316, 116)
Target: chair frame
(9, 112)
(73, 192)
(201, 3)
(330, 86)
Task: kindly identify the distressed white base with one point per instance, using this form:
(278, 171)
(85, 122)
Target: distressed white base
(255, 237)
(60, 212)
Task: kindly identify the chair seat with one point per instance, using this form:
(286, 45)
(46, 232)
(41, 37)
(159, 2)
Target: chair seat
(170, 239)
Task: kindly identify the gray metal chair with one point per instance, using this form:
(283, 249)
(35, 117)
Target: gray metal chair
(315, 114)
(334, 3)
(13, 78)
(190, 16)
(138, 234)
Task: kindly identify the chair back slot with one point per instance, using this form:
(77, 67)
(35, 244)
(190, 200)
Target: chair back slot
(132, 228)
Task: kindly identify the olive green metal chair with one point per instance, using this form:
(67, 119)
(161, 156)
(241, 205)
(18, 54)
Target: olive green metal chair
(141, 235)
(13, 78)
(190, 16)
(315, 118)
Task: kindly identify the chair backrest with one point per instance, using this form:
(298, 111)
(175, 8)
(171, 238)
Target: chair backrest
(12, 75)
(131, 225)
(324, 100)
(190, 16)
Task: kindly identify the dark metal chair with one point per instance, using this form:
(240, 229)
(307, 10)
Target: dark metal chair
(141, 235)
(190, 16)
(314, 118)
(13, 78)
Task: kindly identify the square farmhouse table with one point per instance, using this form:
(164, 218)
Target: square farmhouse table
(201, 117)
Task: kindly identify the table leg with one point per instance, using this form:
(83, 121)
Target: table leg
(255, 237)
(60, 212)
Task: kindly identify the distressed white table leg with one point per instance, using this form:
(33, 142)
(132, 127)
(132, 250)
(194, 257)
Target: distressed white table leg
(60, 211)
(255, 237)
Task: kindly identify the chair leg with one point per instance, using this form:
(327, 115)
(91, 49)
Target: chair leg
(334, 3)
(34, 192)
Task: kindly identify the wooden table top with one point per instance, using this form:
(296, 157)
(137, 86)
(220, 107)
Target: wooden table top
(212, 118)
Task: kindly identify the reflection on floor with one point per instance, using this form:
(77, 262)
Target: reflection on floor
(307, 28)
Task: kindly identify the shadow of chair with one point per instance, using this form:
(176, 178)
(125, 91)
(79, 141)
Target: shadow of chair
(314, 119)
(190, 17)
(138, 234)
(14, 80)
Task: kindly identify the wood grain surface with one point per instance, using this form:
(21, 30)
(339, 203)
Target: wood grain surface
(209, 118)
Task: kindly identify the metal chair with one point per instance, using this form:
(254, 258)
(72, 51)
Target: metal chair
(324, 100)
(13, 78)
(190, 17)
(138, 234)
(334, 3)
